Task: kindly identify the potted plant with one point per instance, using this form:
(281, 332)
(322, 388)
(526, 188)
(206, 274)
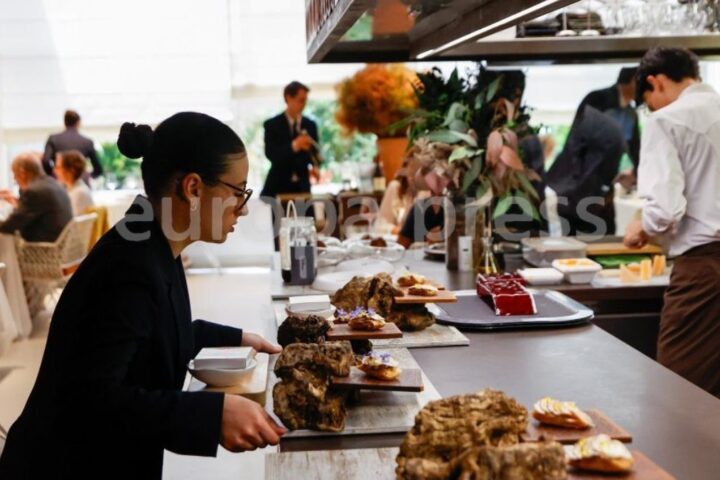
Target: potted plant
(372, 100)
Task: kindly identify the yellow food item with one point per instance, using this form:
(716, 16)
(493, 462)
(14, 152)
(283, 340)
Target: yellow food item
(646, 272)
(659, 264)
(627, 275)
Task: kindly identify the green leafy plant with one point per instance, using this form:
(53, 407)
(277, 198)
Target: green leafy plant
(117, 164)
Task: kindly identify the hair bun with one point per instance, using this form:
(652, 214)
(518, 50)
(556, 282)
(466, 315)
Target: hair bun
(134, 141)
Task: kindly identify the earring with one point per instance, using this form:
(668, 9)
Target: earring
(193, 204)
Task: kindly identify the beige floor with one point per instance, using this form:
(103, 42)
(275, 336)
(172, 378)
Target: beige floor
(238, 297)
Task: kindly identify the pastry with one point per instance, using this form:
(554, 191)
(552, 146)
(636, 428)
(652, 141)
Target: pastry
(333, 358)
(600, 454)
(561, 414)
(380, 366)
(445, 429)
(411, 317)
(365, 319)
(506, 295)
(378, 242)
(410, 279)
(423, 291)
(312, 329)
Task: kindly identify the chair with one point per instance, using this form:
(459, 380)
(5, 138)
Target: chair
(46, 266)
(101, 225)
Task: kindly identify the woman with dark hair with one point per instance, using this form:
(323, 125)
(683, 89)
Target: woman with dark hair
(398, 198)
(69, 169)
(107, 400)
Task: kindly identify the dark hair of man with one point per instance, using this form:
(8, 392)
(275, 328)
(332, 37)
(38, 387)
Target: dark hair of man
(187, 142)
(293, 88)
(74, 162)
(627, 75)
(72, 118)
(675, 63)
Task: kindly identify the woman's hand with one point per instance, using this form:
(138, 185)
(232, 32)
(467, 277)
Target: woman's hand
(247, 426)
(259, 343)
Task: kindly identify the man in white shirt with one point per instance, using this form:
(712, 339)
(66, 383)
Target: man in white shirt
(679, 177)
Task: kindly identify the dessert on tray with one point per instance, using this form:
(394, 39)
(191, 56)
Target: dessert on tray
(600, 454)
(561, 414)
(312, 329)
(302, 398)
(410, 279)
(380, 366)
(365, 320)
(423, 290)
(506, 294)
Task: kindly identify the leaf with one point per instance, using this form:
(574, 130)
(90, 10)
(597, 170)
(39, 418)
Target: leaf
(527, 187)
(493, 88)
(459, 126)
(503, 205)
(443, 136)
(473, 173)
(482, 189)
(456, 112)
(458, 153)
(469, 139)
(527, 206)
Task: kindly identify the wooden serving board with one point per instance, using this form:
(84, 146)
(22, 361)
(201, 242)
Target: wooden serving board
(434, 336)
(410, 380)
(379, 464)
(603, 425)
(443, 296)
(374, 411)
(253, 387)
(617, 248)
(342, 331)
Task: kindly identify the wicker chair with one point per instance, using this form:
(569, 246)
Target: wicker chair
(45, 266)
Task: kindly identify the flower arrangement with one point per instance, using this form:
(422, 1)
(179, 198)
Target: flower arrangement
(376, 97)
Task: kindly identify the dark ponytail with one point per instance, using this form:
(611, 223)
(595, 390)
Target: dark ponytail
(187, 142)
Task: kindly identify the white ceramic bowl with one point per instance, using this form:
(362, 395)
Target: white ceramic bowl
(583, 271)
(222, 377)
(541, 276)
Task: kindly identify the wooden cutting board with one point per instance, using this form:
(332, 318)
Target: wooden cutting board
(617, 248)
(342, 331)
(379, 464)
(410, 380)
(603, 425)
(443, 296)
(253, 387)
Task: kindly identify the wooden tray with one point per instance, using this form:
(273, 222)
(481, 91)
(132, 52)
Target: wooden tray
(341, 331)
(253, 387)
(379, 464)
(410, 380)
(569, 435)
(617, 248)
(443, 296)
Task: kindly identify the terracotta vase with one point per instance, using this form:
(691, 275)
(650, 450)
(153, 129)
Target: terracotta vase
(391, 152)
(390, 17)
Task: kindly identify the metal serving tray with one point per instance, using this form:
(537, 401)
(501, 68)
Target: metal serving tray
(554, 310)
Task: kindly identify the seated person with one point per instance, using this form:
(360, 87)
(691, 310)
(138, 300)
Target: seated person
(69, 170)
(425, 221)
(397, 200)
(583, 174)
(43, 209)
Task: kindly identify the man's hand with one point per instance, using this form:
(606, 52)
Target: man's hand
(247, 426)
(302, 142)
(635, 236)
(259, 343)
(7, 196)
(626, 179)
(315, 173)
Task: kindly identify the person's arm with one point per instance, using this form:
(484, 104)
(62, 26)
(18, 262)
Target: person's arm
(276, 151)
(48, 160)
(30, 206)
(661, 181)
(208, 335)
(97, 167)
(386, 213)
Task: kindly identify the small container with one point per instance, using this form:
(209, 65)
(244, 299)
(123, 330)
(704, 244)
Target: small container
(541, 276)
(298, 248)
(541, 251)
(577, 270)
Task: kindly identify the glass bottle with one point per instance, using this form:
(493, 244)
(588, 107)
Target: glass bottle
(488, 263)
(298, 250)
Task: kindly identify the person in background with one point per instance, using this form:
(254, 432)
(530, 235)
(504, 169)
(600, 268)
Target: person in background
(426, 219)
(291, 145)
(679, 178)
(70, 139)
(110, 383)
(69, 169)
(43, 208)
(398, 198)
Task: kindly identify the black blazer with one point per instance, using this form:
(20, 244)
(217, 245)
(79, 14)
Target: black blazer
(70, 139)
(283, 161)
(108, 399)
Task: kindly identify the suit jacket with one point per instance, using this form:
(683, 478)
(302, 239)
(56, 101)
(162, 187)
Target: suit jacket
(284, 163)
(108, 399)
(70, 139)
(43, 210)
(607, 100)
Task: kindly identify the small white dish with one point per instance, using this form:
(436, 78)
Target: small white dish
(327, 313)
(541, 276)
(222, 377)
(577, 270)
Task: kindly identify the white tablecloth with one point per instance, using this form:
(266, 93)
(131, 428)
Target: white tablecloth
(13, 291)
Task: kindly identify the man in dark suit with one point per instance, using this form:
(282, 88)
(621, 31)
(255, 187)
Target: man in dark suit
(70, 139)
(291, 146)
(617, 101)
(44, 207)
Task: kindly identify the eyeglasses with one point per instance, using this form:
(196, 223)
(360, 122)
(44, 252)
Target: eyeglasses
(245, 192)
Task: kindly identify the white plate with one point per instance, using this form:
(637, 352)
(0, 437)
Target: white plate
(221, 377)
(366, 266)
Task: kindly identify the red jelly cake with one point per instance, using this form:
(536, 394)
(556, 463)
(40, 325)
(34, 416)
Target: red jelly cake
(506, 294)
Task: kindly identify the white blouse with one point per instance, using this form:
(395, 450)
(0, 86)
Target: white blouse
(80, 197)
